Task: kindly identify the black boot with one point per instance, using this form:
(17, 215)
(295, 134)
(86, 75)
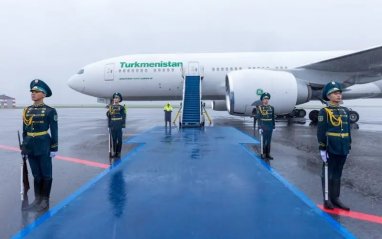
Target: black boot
(46, 187)
(336, 195)
(114, 148)
(267, 151)
(44, 205)
(327, 203)
(37, 196)
(118, 149)
(337, 202)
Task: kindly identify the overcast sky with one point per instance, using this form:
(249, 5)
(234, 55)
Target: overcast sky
(52, 39)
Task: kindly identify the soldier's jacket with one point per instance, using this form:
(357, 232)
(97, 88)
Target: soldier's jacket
(116, 116)
(37, 120)
(333, 131)
(265, 115)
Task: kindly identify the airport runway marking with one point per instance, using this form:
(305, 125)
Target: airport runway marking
(353, 214)
(69, 159)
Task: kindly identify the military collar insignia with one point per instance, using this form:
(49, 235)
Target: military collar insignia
(39, 105)
(333, 105)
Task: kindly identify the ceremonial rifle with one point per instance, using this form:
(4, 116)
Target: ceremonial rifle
(24, 180)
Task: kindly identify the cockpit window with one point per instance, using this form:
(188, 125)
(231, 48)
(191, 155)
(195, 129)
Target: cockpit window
(80, 72)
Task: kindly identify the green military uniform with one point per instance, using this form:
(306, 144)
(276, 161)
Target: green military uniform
(334, 138)
(254, 115)
(116, 121)
(265, 115)
(38, 144)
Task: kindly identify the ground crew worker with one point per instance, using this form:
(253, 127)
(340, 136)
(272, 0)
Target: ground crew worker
(265, 115)
(38, 145)
(333, 133)
(167, 114)
(116, 121)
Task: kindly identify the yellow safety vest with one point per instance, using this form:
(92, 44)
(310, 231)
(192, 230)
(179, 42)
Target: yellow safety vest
(167, 108)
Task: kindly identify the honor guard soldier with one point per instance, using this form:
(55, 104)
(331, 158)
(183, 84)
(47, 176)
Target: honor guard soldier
(333, 133)
(167, 114)
(116, 120)
(38, 145)
(254, 115)
(265, 115)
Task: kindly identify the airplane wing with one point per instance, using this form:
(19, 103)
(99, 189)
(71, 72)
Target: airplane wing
(356, 68)
(368, 62)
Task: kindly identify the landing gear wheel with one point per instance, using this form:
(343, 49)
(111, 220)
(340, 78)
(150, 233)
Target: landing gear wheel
(313, 116)
(301, 113)
(353, 116)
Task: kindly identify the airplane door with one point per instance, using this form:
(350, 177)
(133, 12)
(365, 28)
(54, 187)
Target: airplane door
(109, 72)
(193, 69)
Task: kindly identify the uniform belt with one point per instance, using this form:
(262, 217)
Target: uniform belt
(266, 119)
(116, 118)
(337, 134)
(34, 134)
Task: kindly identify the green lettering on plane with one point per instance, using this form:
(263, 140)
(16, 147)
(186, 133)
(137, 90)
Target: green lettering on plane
(150, 64)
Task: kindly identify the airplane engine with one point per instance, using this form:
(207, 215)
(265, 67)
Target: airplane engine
(369, 90)
(219, 105)
(244, 87)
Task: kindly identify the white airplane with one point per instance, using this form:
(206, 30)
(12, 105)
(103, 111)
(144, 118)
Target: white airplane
(234, 81)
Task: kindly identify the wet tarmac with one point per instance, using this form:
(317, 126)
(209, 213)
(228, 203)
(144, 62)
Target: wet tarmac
(83, 136)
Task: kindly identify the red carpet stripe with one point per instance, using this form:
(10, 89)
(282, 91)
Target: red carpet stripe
(9, 148)
(353, 214)
(69, 159)
(82, 161)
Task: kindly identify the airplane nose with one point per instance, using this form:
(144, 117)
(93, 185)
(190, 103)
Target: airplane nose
(76, 83)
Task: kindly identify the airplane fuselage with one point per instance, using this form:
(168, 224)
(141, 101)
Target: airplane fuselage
(160, 76)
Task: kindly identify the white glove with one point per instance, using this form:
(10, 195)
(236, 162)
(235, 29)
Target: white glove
(52, 154)
(323, 155)
(261, 131)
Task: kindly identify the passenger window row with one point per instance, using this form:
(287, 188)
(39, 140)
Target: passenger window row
(213, 69)
(253, 67)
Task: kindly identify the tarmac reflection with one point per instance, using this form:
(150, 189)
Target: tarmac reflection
(117, 193)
